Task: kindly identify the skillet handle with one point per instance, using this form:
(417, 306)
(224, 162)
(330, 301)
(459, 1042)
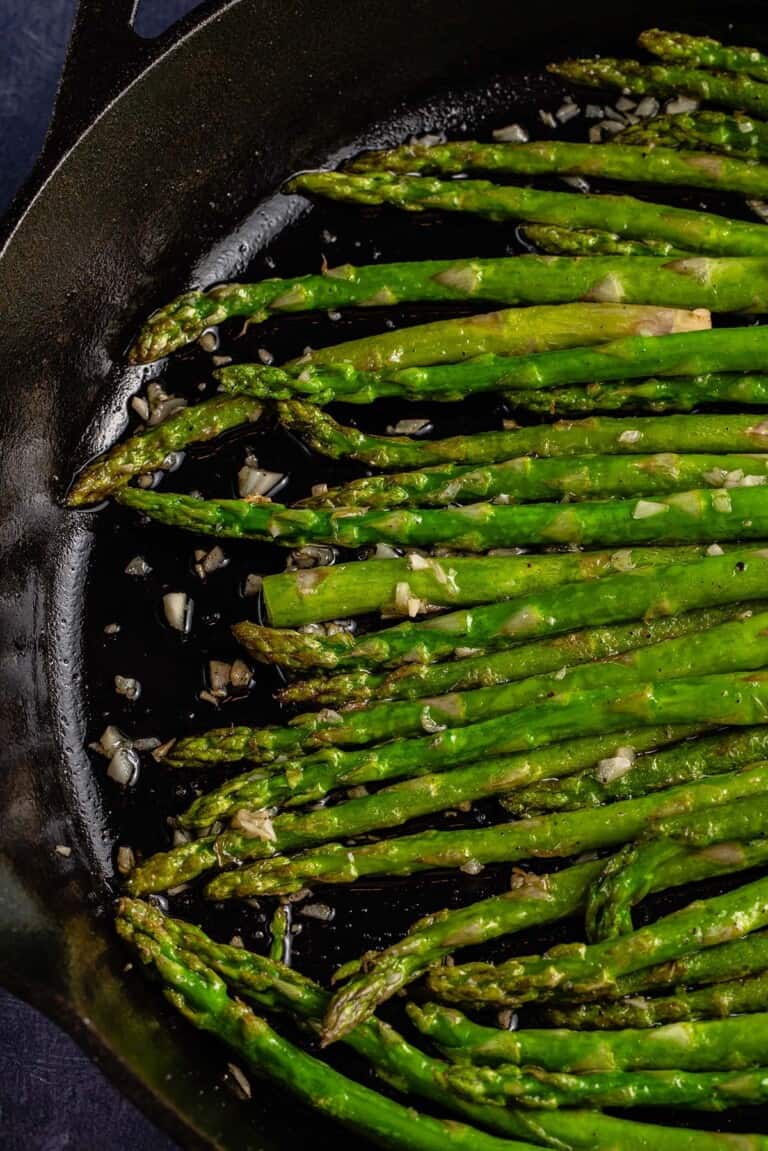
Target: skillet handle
(104, 56)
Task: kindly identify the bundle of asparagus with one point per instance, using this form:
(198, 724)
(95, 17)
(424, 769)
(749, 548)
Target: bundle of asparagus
(614, 700)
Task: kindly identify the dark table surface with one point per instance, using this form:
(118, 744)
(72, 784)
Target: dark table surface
(52, 1098)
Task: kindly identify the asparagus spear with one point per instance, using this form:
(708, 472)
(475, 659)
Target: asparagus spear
(592, 970)
(708, 1045)
(694, 516)
(604, 435)
(526, 280)
(701, 1090)
(389, 807)
(535, 726)
(682, 355)
(343, 371)
(201, 997)
(614, 161)
(512, 332)
(153, 448)
(294, 598)
(570, 242)
(625, 879)
(278, 988)
(704, 52)
(525, 479)
(562, 834)
(734, 997)
(534, 900)
(648, 773)
(624, 216)
(739, 645)
(723, 89)
(644, 593)
(654, 395)
(414, 681)
(712, 130)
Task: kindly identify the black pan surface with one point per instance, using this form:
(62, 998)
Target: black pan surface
(176, 185)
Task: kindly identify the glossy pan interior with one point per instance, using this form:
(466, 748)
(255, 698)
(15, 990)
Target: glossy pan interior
(159, 174)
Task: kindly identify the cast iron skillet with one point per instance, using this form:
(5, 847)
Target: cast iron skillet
(155, 176)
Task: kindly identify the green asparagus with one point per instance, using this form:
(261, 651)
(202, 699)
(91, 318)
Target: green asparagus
(596, 436)
(614, 161)
(644, 593)
(567, 242)
(662, 80)
(391, 586)
(735, 997)
(512, 332)
(571, 972)
(201, 997)
(390, 807)
(535, 900)
(704, 52)
(414, 681)
(685, 354)
(739, 645)
(278, 988)
(737, 701)
(735, 959)
(632, 778)
(708, 1045)
(712, 130)
(625, 216)
(154, 448)
(562, 834)
(344, 371)
(531, 1087)
(626, 878)
(526, 479)
(654, 395)
(694, 516)
(515, 280)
